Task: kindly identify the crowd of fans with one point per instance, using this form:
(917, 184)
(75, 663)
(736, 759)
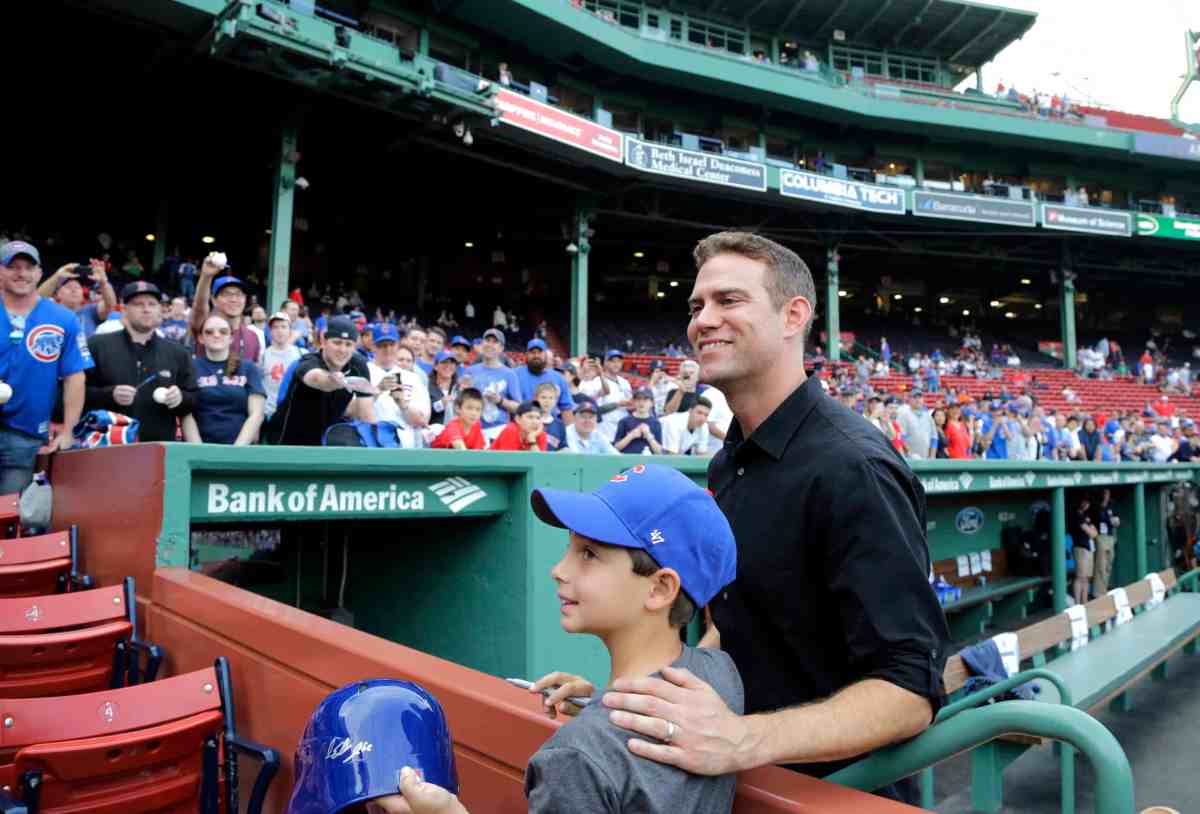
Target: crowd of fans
(99, 368)
(1009, 422)
(104, 368)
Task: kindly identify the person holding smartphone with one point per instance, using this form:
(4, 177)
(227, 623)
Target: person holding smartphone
(683, 397)
(71, 287)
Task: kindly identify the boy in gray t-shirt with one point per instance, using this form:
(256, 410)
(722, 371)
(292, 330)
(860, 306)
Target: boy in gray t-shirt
(646, 550)
(278, 357)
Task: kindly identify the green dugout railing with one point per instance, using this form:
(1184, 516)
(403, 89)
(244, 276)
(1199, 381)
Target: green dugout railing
(966, 730)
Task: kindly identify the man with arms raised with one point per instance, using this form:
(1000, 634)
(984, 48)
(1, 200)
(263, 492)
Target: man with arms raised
(831, 621)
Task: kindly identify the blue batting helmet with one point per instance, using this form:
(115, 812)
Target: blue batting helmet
(361, 736)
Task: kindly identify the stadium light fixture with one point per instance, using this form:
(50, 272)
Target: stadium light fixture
(469, 245)
(897, 296)
(944, 300)
(1009, 315)
(1038, 306)
(674, 284)
(662, 294)
(996, 304)
(842, 293)
(917, 310)
(208, 239)
(639, 255)
(1026, 281)
(966, 312)
(150, 238)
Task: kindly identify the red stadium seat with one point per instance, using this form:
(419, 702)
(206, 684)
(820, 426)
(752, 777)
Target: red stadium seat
(45, 564)
(10, 515)
(168, 747)
(70, 643)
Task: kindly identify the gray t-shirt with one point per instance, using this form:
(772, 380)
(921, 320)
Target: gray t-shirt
(587, 766)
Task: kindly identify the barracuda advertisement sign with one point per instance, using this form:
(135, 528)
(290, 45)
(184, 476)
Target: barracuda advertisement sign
(968, 482)
(973, 208)
(689, 165)
(841, 192)
(238, 498)
(1171, 228)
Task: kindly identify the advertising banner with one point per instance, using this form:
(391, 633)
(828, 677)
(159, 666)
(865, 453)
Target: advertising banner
(1087, 219)
(689, 165)
(567, 128)
(841, 192)
(973, 208)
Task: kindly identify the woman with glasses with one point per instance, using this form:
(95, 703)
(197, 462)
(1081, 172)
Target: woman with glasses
(230, 399)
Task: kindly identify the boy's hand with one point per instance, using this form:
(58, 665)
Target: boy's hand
(568, 685)
(416, 797)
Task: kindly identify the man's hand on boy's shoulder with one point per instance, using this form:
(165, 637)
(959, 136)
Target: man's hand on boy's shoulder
(565, 686)
(692, 726)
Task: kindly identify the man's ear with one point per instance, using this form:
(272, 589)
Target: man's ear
(797, 314)
(664, 588)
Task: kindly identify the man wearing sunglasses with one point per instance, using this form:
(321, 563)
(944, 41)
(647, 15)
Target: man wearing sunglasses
(133, 363)
(43, 346)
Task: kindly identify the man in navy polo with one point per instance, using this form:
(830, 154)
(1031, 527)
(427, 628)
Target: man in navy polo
(535, 372)
(44, 344)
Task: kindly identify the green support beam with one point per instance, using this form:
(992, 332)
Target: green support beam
(579, 282)
(1139, 528)
(1066, 319)
(279, 259)
(833, 332)
(1058, 543)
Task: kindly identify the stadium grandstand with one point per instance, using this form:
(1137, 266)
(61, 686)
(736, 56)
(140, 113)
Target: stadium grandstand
(245, 240)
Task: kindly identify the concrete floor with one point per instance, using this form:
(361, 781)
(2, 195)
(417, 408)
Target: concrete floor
(1161, 737)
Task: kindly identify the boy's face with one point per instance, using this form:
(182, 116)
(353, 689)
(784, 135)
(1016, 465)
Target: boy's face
(597, 589)
(530, 421)
(281, 332)
(642, 406)
(546, 399)
(470, 411)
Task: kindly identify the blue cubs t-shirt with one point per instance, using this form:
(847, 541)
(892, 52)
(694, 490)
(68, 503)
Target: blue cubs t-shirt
(89, 318)
(529, 383)
(35, 353)
(499, 380)
(222, 402)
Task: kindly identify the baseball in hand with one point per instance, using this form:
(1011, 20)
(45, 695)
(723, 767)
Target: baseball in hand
(219, 259)
(160, 395)
(5, 392)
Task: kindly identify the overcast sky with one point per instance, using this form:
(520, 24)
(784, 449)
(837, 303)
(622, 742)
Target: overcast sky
(1125, 55)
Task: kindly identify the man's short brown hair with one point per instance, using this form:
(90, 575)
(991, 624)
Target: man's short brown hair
(787, 275)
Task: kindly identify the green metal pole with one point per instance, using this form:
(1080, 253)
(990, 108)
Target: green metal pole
(160, 239)
(833, 331)
(279, 259)
(1066, 313)
(1113, 777)
(1058, 543)
(1139, 528)
(579, 283)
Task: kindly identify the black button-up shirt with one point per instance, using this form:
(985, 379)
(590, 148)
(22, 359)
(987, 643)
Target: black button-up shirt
(832, 578)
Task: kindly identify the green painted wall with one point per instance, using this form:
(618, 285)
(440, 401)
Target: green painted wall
(475, 586)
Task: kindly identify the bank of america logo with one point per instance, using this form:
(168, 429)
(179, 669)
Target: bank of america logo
(457, 493)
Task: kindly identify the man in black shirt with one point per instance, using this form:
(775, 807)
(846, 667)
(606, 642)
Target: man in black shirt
(839, 639)
(325, 387)
(135, 363)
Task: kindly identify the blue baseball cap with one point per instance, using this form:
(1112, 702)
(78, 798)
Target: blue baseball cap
(385, 332)
(460, 340)
(613, 354)
(659, 510)
(224, 282)
(13, 249)
(360, 737)
(445, 356)
(539, 344)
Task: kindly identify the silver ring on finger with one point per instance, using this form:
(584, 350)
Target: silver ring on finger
(670, 732)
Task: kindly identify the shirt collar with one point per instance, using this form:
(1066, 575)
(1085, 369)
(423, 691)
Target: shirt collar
(774, 434)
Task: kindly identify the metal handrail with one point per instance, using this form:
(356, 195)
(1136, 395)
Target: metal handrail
(977, 698)
(1113, 776)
